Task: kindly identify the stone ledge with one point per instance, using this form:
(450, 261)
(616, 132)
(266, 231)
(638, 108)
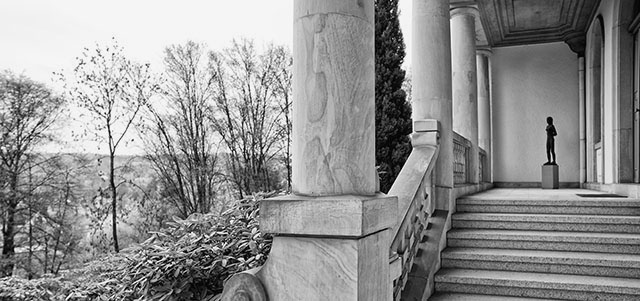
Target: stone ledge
(461, 190)
(497, 184)
(345, 215)
(426, 125)
(631, 190)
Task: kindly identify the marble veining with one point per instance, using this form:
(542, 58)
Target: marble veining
(334, 111)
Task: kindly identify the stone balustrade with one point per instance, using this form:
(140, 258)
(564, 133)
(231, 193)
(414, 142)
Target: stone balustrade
(483, 166)
(413, 189)
(461, 150)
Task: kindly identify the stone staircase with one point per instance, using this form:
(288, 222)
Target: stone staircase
(536, 248)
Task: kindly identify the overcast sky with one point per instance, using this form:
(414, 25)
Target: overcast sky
(39, 37)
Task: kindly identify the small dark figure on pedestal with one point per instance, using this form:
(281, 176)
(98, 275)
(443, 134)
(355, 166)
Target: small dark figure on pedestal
(551, 133)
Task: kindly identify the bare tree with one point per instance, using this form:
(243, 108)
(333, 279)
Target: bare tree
(113, 89)
(248, 114)
(179, 138)
(28, 111)
(282, 76)
(53, 200)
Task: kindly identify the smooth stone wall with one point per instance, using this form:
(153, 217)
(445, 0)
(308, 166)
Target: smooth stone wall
(530, 83)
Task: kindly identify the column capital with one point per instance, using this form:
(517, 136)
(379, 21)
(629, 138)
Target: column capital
(462, 11)
(485, 51)
(577, 42)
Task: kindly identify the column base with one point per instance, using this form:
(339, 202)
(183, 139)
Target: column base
(315, 268)
(550, 177)
(328, 248)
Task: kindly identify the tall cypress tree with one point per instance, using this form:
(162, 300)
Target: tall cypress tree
(393, 112)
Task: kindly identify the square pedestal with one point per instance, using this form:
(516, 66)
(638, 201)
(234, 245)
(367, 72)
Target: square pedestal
(550, 177)
(328, 247)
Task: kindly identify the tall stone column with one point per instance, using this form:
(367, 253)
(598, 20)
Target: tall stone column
(332, 235)
(484, 108)
(463, 64)
(333, 146)
(582, 116)
(431, 86)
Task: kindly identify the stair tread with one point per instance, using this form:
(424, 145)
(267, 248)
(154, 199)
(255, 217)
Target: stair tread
(558, 218)
(591, 202)
(561, 236)
(541, 256)
(539, 280)
(476, 297)
(505, 261)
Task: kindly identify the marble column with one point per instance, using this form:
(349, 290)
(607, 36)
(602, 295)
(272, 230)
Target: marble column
(582, 120)
(333, 145)
(332, 235)
(431, 86)
(484, 108)
(464, 84)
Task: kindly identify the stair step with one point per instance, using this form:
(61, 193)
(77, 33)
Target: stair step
(537, 285)
(548, 222)
(558, 262)
(617, 206)
(476, 297)
(545, 240)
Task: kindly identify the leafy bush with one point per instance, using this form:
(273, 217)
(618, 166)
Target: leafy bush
(99, 280)
(21, 289)
(188, 260)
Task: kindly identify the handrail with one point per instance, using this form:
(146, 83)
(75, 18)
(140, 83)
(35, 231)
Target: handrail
(412, 187)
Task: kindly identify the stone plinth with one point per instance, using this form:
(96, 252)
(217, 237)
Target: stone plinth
(550, 177)
(346, 216)
(328, 248)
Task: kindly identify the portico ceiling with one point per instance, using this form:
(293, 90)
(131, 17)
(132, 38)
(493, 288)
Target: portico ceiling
(517, 22)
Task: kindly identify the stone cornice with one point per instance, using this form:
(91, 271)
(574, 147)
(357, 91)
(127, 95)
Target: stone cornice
(577, 42)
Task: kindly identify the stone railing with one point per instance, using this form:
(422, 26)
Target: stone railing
(482, 157)
(461, 149)
(413, 189)
(415, 207)
(415, 242)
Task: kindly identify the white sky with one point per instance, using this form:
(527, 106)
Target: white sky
(39, 37)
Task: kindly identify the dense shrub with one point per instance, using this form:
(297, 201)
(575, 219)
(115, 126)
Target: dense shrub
(191, 258)
(13, 288)
(98, 280)
(188, 260)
